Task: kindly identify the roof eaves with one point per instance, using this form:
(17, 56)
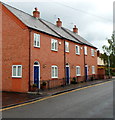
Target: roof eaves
(42, 31)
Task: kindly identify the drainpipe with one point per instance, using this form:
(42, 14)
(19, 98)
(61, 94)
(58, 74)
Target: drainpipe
(64, 62)
(29, 58)
(84, 63)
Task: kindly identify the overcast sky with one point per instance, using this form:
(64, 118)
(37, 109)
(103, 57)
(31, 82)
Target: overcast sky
(94, 18)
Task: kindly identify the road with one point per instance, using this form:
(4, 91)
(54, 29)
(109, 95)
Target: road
(92, 102)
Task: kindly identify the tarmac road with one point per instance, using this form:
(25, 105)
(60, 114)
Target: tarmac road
(91, 102)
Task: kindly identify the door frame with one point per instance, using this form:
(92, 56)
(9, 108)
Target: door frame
(69, 72)
(39, 72)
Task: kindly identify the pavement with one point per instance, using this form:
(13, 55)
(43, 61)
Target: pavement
(89, 102)
(14, 98)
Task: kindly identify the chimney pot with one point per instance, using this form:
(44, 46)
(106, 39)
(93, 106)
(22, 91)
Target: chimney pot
(59, 23)
(36, 13)
(75, 29)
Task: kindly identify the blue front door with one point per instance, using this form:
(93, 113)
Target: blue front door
(86, 73)
(36, 75)
(67, 75)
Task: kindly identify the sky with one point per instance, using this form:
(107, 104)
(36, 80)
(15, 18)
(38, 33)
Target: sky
(94, 18)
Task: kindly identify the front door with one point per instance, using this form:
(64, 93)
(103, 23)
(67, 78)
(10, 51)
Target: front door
(36, 75)
(67, 75)
(86, 73)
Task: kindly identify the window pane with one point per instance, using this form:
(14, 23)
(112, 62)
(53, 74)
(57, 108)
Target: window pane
(38, 44)
(55, 45)
(34, 39)
(19, 71)
(52, 45)
(52, 71)
(56, 72)
(14, 70)
(76, 49)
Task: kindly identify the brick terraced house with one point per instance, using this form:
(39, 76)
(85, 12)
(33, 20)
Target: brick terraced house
(35, 50)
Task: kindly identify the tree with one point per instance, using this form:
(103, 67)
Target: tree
(109, 54)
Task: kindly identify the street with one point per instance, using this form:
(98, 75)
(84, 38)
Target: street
(91, 102)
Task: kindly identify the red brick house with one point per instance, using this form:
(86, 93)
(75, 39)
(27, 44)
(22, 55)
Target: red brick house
(34, 50)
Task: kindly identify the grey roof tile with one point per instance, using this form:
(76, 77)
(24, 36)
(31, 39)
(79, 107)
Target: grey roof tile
(81, 39)
(60, 31)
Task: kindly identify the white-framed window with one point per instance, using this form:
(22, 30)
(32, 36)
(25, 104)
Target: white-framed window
(66, 46)
(85, 50)
(77, 49)
(54, 45)
(92, 52)
(36, 40)
(93, 69)
(78, 71)
(17, 71)
(54, 71)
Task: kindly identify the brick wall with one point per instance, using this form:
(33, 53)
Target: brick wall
(15, 52)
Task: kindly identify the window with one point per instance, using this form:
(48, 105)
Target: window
(77, 50)
(78, 71)
(92, 52)
(16, 70)
(93, 69)
(85, 50)
(54, 71)
(54, 45)
(66, 46)
(36, 40)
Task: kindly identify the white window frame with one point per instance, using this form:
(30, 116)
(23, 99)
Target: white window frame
(66, 46)
(93, 69)
(92, 52)
(54, 66)
(79, 68)
(17, 71)
(85, 50)
(55, 47)
(37, 39)
(78, 53)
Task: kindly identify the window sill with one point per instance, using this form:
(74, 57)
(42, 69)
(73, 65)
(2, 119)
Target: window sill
(16, 76)
(54, 50)
(77, 54)
(78, 75)
(67, 51)
(36, 46)
(54, 77)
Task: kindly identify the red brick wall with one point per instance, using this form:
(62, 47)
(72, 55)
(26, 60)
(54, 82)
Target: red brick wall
(45, 56)
(91, 60)
(15, 51)
(0, 46)
(75, 60)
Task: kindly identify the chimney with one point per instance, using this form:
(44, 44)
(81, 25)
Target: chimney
(59, 23)
(36, 13)
(75, 30)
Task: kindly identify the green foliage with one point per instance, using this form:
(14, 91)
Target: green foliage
(109, 53)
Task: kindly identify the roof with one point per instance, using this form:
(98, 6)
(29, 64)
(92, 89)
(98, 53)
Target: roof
(47, 27)
(30, 21)
(60, 31)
